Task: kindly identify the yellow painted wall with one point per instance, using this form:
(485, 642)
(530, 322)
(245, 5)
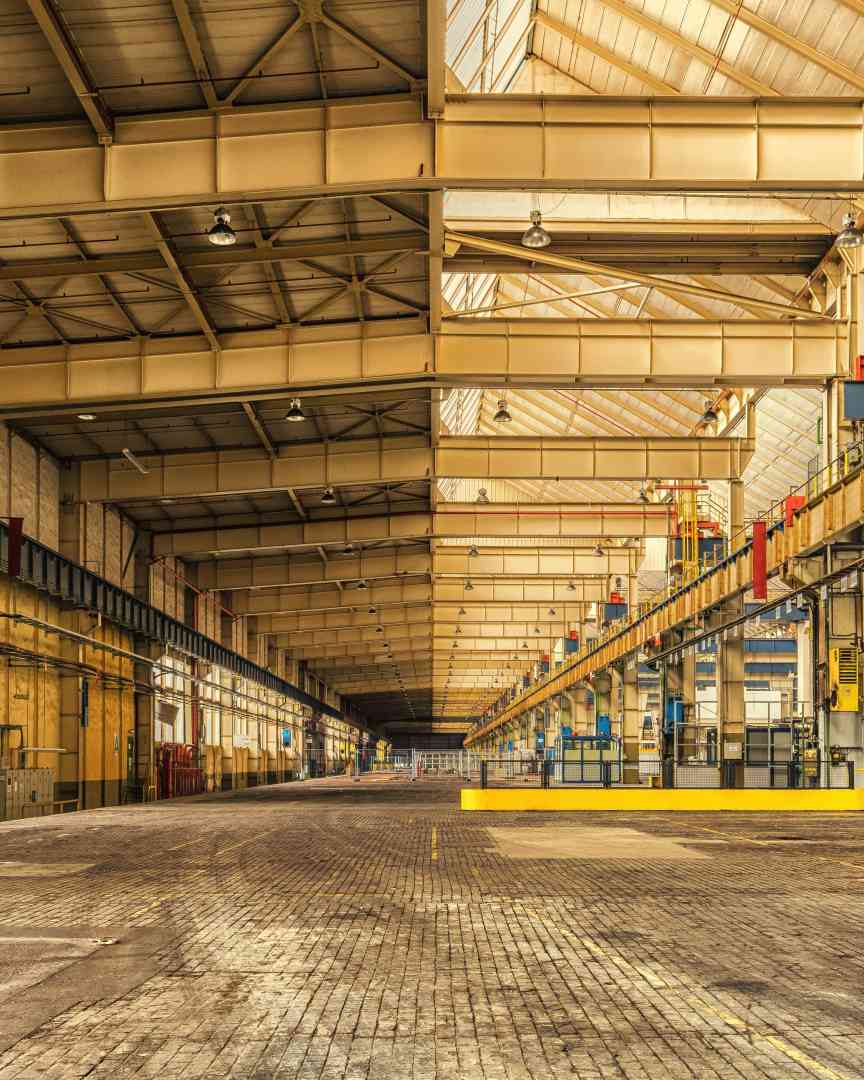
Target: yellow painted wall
(46, 701)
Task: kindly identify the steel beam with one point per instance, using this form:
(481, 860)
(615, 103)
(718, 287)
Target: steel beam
(481, 352)
(500, 142)
(613, 520)
(197, 543)
(279, 572)
(301, 466)
(274, 605)
(621, 353)
(489, 590)
(514, 141)
(604, 458)
(526, 562)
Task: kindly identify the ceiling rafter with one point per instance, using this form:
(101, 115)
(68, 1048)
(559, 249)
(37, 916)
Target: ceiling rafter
(699, 52)
(192, 41)
(789, 41)
(184, 283)
(594, 46)
(61, 44)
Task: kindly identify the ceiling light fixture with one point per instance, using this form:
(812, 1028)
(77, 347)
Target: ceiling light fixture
(502, 416)
(221, 234)
(710, 416)
(469, 587)
(482, 496)
(462, 611)
(643, 496)
(92, 416)
(850, 236)
(295, 414)
(571, 587)
(329, 497)
(598, 552)
(139, 465)
(472, 551)
(535, 236)
(362, 584)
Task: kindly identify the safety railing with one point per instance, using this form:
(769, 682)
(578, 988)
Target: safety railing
(563, 772)
(848, 462)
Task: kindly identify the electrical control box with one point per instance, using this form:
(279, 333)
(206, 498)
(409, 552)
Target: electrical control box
(25, 793)
(843, 679)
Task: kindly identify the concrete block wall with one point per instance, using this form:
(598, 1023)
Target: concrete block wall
(168, 586)
(30, 487)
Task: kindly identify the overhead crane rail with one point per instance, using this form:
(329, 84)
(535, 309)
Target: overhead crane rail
(829, 511)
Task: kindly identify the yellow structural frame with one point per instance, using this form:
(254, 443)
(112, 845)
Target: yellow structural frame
(701, 800)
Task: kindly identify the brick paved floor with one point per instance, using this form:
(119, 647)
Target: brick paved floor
(369, 930)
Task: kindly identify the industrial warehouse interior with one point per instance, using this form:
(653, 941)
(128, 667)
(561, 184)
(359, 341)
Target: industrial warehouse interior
(431, 539)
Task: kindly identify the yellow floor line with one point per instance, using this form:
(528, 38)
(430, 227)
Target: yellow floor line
(777, 1041)
(769, 843)
(434, 844)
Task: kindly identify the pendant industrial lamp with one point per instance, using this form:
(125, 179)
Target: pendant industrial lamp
(710, 416)
(850, 236)
(482, 497)
(295, 414)
(221, 234)
(329, 497)
(535, 236)
(502, 416)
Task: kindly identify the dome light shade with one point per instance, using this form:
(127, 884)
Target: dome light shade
(598, 551)
(850, 236)
(469, 587)
(472, 551)
(329, 497)
(362, 584)
(535, 236)
(643, 495)
(295, 414)
(221, 234)
(710, 416)
(482, 497)
(502, 416)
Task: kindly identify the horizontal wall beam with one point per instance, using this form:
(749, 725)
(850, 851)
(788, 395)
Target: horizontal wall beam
(528, 562)
(301, 466)
(347, 617)
(417, 628)
(630, 352)
(268, 573)
(552, 520)
(176, 369)
(545, 591)
(276, 602)
(601, 458)
(612, 520)
(307, 534)
(510, 140)
(481, 352)
(486, 141)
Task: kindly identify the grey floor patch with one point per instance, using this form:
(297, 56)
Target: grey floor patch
(569, 842)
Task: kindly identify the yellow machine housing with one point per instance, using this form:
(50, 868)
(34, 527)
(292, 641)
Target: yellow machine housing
(843, 679)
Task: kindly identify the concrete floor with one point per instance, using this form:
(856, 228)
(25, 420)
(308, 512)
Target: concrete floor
(338, 930)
